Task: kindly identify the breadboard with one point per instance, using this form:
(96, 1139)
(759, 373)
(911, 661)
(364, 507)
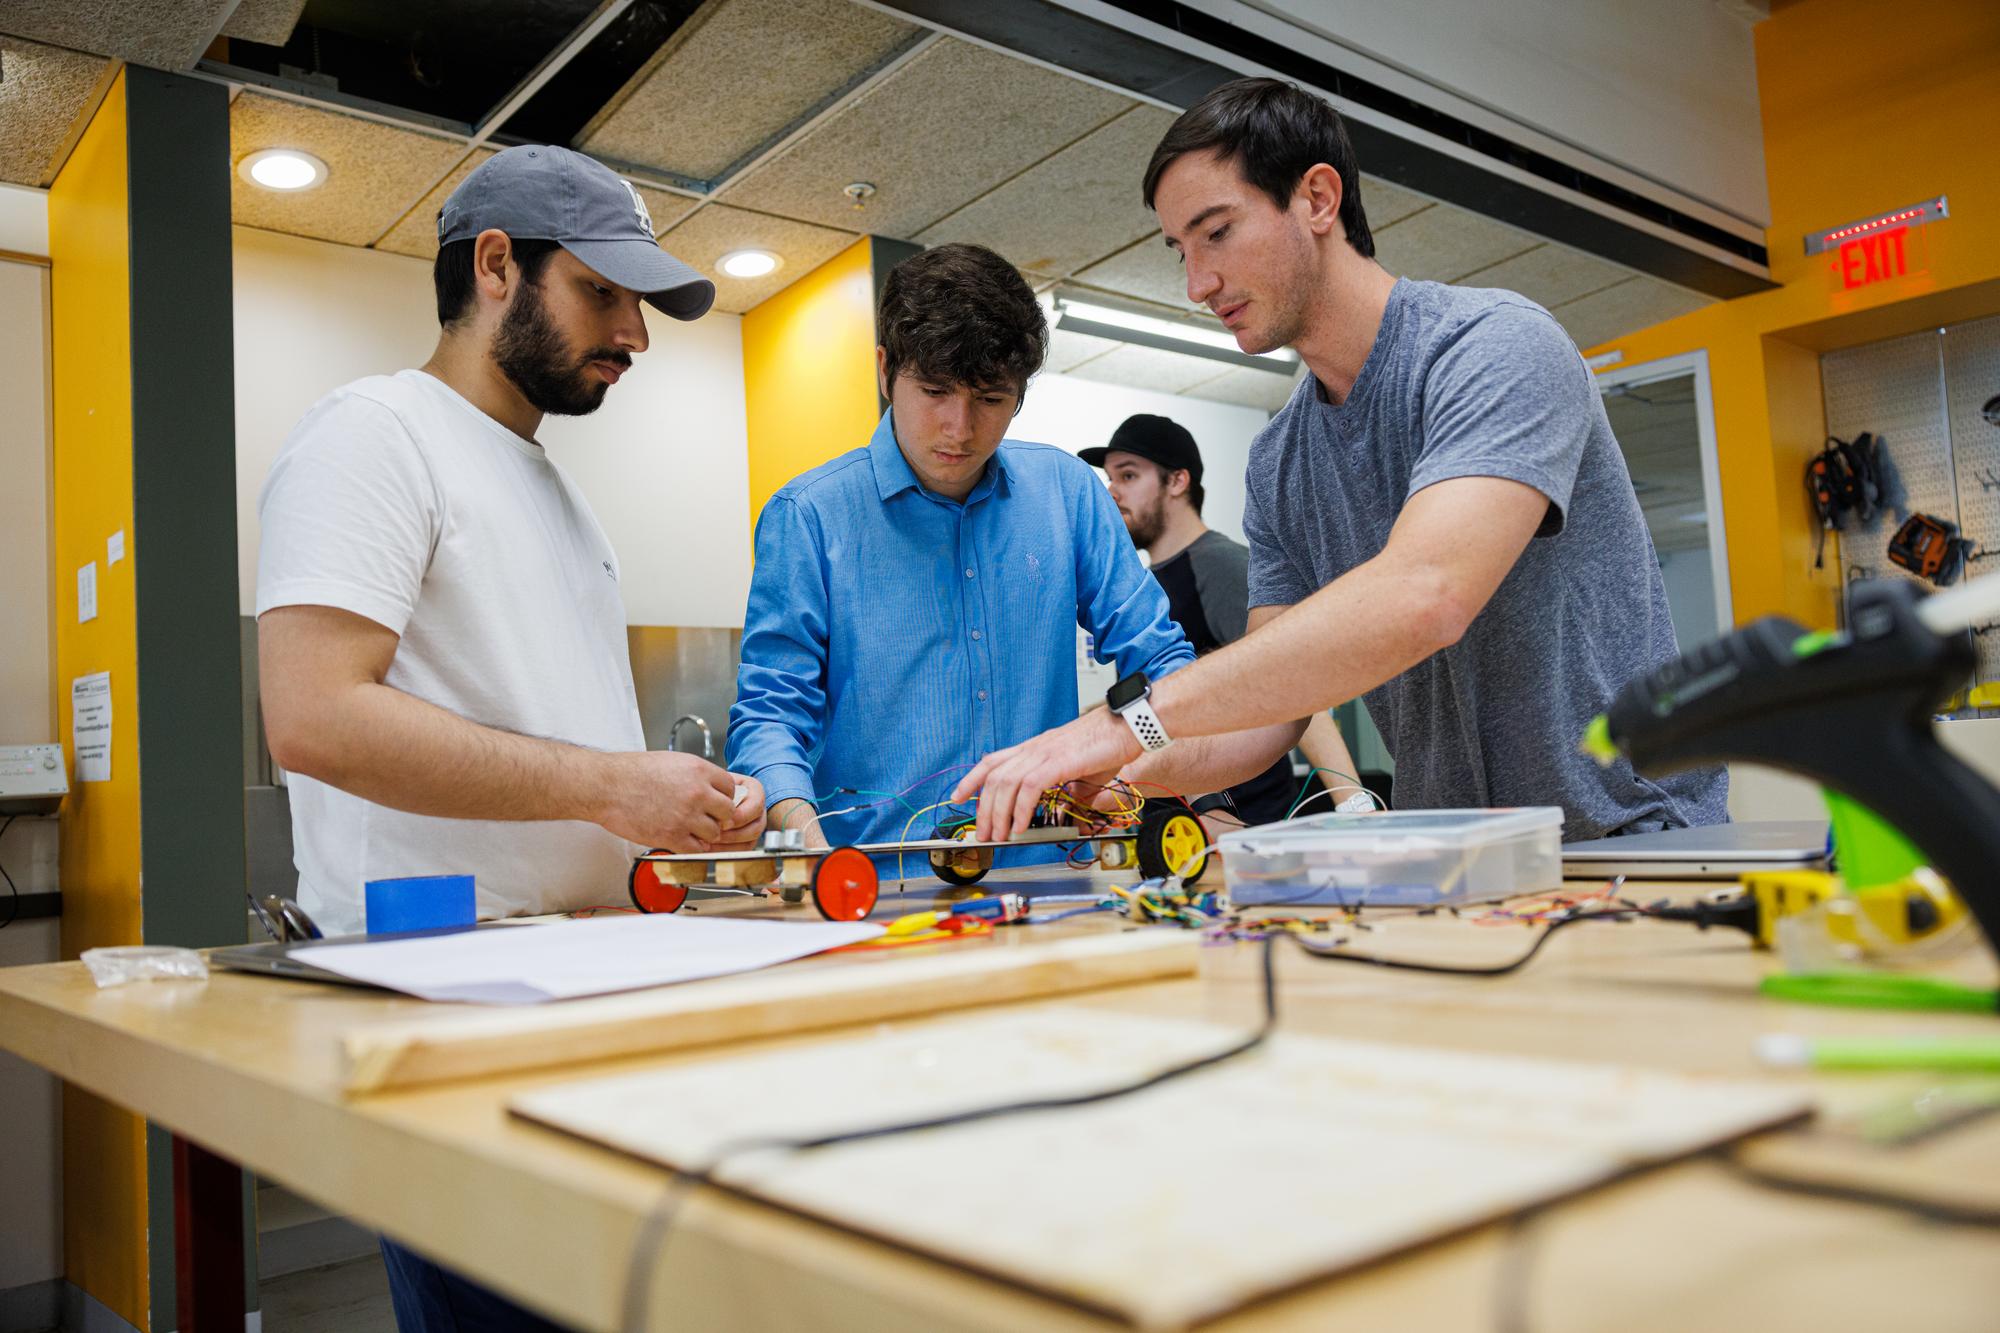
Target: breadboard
(762, 1004)
(1174, 1206)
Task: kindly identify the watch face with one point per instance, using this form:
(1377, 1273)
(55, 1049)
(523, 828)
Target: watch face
(1126, 692)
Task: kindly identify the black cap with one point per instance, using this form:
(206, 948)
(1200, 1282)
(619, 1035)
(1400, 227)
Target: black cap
(1158, 439)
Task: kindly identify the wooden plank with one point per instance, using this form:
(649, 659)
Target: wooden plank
(745, 874)
(382, 1056)
(1344, 1152)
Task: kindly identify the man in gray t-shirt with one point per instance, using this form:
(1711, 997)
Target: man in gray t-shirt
(1439, 519)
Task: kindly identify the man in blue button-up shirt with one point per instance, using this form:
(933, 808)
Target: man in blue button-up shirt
(915, 602)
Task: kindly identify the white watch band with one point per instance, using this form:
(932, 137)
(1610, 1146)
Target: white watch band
(1145, 724)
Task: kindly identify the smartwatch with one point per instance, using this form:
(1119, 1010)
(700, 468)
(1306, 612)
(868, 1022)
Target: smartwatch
(1129, 699)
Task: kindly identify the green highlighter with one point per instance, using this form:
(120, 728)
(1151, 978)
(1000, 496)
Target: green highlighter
(1958, 1054)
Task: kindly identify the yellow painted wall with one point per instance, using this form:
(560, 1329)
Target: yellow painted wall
(1867, 107)
(104, 1148)
(809, 372)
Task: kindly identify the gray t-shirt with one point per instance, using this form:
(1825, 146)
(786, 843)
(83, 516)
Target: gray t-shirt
(1464, 382)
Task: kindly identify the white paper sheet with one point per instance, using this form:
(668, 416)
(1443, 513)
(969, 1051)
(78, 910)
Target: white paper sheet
(574, 958)
(90, 726)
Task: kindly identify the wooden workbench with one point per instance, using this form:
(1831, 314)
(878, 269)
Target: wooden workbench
(247, 1066)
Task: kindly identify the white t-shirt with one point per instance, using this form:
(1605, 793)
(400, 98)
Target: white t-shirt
(396, 499)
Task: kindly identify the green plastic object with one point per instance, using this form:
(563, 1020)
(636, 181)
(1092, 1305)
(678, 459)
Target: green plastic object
(1597, 742)
(1867, 848)
(1808, 644)
(1877, 990)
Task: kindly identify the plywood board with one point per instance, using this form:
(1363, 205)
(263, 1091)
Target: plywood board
(1177, 1205)
(383, 1056)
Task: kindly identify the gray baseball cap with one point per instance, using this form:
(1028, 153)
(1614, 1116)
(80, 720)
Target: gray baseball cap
(538, 192)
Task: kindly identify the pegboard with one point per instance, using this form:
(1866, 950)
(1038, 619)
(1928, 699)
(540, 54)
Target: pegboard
(1922, 397)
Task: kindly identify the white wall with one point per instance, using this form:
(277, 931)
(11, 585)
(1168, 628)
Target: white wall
(24, 506)
(1074, 414)
(663, 462)
(1690, 581)
(1665, 90)
(24, 220)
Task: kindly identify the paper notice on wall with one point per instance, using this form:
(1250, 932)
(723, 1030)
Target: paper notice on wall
(90, 726)
(86, 593)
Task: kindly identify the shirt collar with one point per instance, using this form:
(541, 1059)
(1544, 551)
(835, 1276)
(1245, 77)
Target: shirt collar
(893, 474)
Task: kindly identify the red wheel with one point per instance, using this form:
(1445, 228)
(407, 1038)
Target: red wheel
(649, 892)
(844, 885)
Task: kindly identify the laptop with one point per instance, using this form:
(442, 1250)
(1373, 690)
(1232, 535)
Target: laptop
(1723, 851)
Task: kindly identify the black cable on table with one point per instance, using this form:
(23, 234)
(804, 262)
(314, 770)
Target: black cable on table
(649, 1246)
(1473, 970)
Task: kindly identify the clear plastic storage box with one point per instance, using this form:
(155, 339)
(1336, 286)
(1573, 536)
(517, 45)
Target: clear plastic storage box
(1396, 858)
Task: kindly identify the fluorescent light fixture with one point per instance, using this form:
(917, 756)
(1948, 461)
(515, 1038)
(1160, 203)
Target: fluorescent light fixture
(283, 169)
(1699, 516)
(750, 263)
(1104, 321)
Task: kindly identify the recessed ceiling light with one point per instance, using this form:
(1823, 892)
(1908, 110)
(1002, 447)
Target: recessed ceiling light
(750, 263)
(285, 169)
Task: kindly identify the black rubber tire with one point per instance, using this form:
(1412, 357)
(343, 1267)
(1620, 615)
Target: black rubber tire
(1149, 842)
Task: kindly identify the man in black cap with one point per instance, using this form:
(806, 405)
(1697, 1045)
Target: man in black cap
(441, 637)
(1155, 471)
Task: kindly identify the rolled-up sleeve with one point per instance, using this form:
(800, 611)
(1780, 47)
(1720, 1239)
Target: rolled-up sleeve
(1117, 598)
(776, 726)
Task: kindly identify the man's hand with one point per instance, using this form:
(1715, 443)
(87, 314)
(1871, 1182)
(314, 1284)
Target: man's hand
(1011, 781)
(681, 802)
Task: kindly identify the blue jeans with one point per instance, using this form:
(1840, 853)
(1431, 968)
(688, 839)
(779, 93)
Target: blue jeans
(429, 1299)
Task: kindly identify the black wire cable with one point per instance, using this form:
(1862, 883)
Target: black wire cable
(1928, 1210)
(13, 894)
(648, 1248)
(1475, 970)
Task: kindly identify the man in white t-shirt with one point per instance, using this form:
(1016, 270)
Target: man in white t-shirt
(441, 636)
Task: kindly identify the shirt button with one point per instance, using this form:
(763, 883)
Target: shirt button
(982, 694)
(975, 635)
(969, 574)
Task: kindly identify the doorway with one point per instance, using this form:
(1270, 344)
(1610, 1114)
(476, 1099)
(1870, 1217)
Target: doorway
(1663, 418)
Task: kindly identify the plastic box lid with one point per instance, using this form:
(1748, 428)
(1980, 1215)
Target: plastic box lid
(1392, 831)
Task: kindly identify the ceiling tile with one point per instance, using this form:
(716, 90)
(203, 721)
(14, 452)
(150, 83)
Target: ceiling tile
(1146, 270)
(269, 22)
(1550, 274)
(42, 95)
(373, 171)
(416, 233)
(1634, 304)
(1246, 388)
(737, 75)
(953, 123)
(712, 232)
(166, 34)
(1069, 350)
(1071, 209)
(1443, 243)
(1148, 368)
(1385, 203)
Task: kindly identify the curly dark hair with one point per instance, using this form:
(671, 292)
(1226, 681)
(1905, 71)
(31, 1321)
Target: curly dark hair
(960, 314)
(1274, 132)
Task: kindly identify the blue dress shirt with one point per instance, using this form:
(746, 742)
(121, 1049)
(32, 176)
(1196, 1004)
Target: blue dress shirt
(893, 633)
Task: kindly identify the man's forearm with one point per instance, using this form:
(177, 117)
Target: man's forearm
(394, 749)
(1318, 654)
(1203, 764)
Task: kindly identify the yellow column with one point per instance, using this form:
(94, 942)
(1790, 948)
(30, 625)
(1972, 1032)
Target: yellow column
(809, 372)
(104, 1148)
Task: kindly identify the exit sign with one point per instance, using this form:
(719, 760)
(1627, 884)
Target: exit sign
(1875, 257)
(1878, 249)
